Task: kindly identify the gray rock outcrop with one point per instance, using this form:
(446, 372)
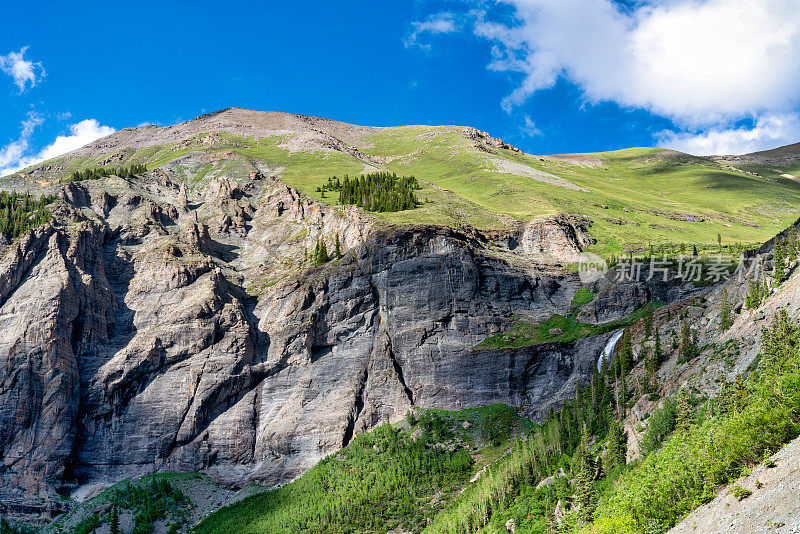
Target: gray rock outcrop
(140, 335)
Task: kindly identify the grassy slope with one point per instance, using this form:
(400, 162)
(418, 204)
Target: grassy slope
(634, 184)
(387, 477)
(644, 187)
(559, 328)
(723, 438)
(691, 450)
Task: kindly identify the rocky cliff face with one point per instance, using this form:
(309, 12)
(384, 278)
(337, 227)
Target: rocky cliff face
(154, 326)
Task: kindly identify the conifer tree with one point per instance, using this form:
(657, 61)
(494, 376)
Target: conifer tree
(739, 393)
(337, 250)
(626, 354)
(780, 343)
(617, 448)
(779, 269)
(320, 254)
(114, 523)
(657, 354)
(685, 416)
(650, 360)
(584, 479)
(688, 347)
(754, 296)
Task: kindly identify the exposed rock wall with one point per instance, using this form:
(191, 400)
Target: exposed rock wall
(561, 238)
(137, 334)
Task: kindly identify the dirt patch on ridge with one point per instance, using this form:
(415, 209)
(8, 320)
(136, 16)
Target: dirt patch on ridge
(518, 169)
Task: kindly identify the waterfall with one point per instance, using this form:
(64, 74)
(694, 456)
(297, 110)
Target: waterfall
(608, 351)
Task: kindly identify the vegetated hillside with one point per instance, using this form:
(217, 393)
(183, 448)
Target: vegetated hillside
(393, 476)
(632, 197)
(175, 306)
(698, 398)
(390, 478)
(712, 395)
(264, 328)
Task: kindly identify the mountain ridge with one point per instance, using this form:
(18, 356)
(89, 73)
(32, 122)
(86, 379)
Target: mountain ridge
(269, 325)
(793, 148)
(633, 197)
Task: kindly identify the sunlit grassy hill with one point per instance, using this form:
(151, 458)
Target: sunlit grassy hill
(633, 196)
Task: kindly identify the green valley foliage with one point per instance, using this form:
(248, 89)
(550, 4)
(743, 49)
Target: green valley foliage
(692, 447)
(747, 422)
(21, 212)
(152, 501)
(383, 479)
(380, 191)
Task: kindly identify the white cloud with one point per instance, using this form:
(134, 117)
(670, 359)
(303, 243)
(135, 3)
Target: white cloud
(690, 60)
(23, 71)
(769, 131)
(434, 24)
(705, 65)
(15, 151)
(16, 155)
(81, 133)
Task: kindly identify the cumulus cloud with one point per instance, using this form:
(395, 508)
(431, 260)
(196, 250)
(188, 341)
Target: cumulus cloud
(706, 65)
(692, 61)
(15, 151)
(769, 131)
(25, 73)
(17, 154)
(434, 24)
(81, 133)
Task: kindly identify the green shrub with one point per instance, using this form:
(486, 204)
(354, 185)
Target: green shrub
(740, 493)
(662, 423)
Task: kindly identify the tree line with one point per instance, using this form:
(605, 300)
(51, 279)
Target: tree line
(124, 171)
(20, 212)
(380, 191)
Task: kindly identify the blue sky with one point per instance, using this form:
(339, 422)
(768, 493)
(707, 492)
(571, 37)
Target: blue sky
(549, 76)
